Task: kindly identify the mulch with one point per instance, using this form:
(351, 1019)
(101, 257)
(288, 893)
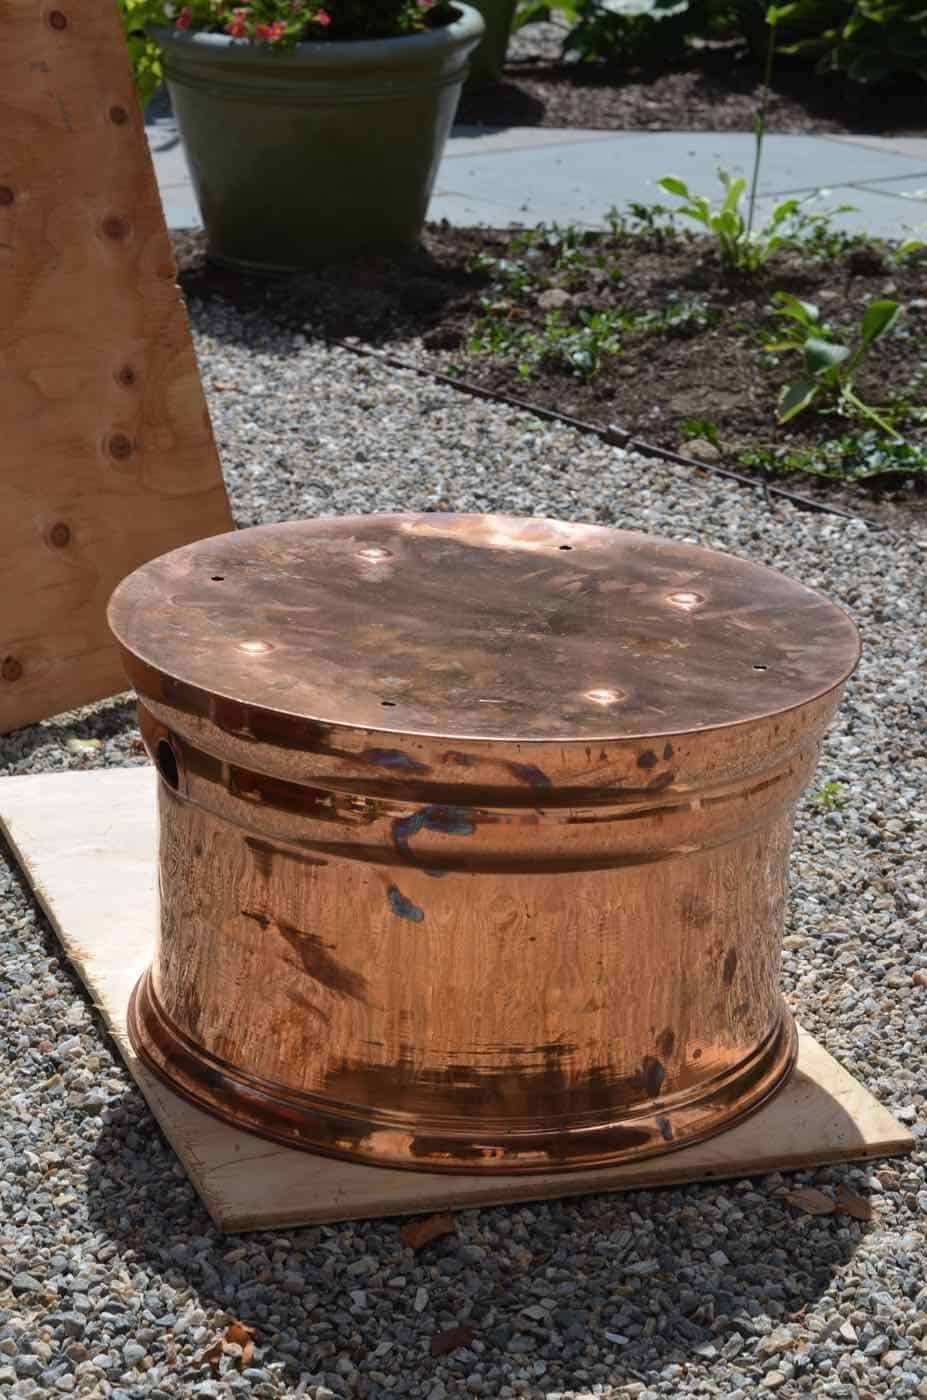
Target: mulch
(716, 88)
(710, 366)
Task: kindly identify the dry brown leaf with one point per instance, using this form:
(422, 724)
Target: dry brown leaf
(454, 1337)
(810, 1200)
(212, 1355)
(417, 1233)
(240, 1333)
(247, 1352)
(860, 1207)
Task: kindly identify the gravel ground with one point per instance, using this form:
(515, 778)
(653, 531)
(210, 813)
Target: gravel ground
(113, 1281)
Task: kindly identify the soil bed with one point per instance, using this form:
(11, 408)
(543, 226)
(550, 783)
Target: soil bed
(677, 340)
(712, 89)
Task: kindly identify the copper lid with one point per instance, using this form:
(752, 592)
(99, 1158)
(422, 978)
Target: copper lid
(483, 626)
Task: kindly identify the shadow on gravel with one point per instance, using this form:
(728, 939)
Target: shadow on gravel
(428, 291)
(323, 1298)
(101, 721)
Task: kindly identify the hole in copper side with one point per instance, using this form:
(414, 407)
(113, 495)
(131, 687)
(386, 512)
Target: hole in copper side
(166, 761)
(217, 578)
(6, 195)
(11, 669)
(118, 115)
(57, 20)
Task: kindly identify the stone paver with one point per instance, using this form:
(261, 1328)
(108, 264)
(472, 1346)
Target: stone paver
(528, 175)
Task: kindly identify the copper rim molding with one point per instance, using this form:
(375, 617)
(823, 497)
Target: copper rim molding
(473, 832)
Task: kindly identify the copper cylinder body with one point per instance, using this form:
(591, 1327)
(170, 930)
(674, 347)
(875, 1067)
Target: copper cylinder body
(414, 915)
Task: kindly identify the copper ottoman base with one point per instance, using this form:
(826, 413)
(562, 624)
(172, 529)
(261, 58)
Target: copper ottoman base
(473, 833)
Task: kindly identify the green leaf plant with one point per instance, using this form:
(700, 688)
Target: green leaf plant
(828, 364)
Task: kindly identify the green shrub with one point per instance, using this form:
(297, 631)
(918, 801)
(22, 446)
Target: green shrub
(868, 39)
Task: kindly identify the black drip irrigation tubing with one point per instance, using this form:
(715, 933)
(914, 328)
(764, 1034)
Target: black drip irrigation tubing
(612, 435)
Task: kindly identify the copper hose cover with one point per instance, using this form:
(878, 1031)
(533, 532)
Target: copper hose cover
(473, 833)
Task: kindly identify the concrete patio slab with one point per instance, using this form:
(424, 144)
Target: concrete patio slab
(528, 175)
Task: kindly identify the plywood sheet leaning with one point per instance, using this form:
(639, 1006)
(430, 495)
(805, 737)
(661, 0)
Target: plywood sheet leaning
(87, 844)
(106, 452)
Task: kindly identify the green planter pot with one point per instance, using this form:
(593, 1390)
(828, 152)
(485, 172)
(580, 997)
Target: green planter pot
(486, 63)
(319, 152)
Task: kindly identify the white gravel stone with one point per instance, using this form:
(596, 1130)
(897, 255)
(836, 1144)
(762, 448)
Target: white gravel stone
(651, 1294)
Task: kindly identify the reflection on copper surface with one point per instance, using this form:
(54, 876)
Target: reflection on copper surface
(436, 891)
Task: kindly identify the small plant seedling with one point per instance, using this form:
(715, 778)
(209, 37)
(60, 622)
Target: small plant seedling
(828, 365)
(578, 348)
(741, 247)
(855, 456)
(830, 797)
(701, 428)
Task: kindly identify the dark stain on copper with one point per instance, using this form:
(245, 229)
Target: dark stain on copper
(529, 773)
(730, 966)
(666, 1042)
(651, 1076)
(449, 821)
(404, 907)
(667, 751)
(261, 920)
(395, 760)
(647, 759)
(666, 1131)
(302, 1001)
(126, 376)
(695, 910)
(317, 961)
(264, 854)
(118, 115)
(462, 760)
(663, 780)
(6, 195)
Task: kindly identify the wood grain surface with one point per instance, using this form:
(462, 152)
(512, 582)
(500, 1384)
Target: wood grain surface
(106, 452)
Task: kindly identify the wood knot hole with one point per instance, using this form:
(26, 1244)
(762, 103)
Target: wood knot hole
(60, 535)
(114, 227)
(120, 447)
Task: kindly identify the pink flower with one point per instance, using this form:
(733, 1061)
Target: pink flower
(238, 24)
(184, 19)
(277, 30)
(296, 6)
(323, 18)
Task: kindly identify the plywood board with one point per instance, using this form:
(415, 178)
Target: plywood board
(106, 451)
(86, 842)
